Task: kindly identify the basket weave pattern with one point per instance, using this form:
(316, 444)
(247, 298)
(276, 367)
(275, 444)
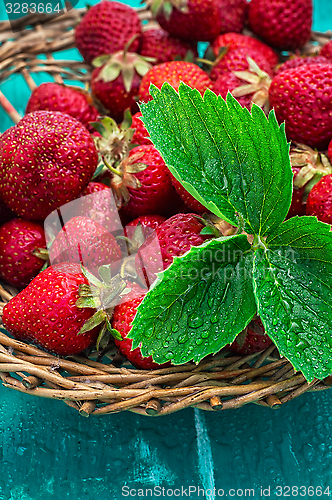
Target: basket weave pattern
(94, 383)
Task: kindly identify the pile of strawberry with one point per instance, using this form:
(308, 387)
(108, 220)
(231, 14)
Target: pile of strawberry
(82, 159)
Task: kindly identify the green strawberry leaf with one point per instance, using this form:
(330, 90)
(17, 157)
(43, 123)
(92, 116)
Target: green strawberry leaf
(235, 163)
(199, 304)
(293, 287)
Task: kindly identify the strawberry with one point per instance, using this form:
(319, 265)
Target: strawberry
(302, 98)
(123, 316)
(298, 205)
(96, 203)
(308, 167)
(189, 200)
(163, 47)
(138, 230)
(44, 152)
(248, 87)
(21, 251)
(148, 223)
(174, 72)
(84, 241)
(228, 82)
(172, 238)
(234, 14)
(5, 213)
(46, 314)
(106, 28)
(280, 23)
(252, 339)
(141, 135)
(329, 151)
(297, 61)
(233, 40)
(73, 101)
(191, 20)
(154, 192)
(237, 60)
(326, 50)
(319, 202)
(116, 80)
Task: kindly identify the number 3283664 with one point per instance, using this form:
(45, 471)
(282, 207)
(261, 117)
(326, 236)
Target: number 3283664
(32, 8)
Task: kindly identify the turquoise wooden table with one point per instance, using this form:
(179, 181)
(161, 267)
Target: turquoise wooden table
(49, 452)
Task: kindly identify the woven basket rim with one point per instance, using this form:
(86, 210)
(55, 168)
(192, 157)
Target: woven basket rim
(91, 386)
(222, 381)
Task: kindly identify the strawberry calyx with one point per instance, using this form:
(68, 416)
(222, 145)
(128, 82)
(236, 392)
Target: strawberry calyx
(102, 294)
(122, 63)
(135, 241)
(41, 253)
(113, 142)
(209, 227)
(166, 7)
(222, 227)
(313, 166)
(257, 83)
(123, 177)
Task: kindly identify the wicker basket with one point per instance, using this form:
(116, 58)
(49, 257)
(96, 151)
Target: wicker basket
(97, 383)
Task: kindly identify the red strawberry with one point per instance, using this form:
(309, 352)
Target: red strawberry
(280, 23)
(228, 82)
(329, 150)
(248, 87)
(194, 20)
(116, 80)
(106, 28)
(5, 213)
(148, 223)
(96, 203)
(308, 167)
(45, 312)
(70, 100)
(19, 239)
(141, 135)
(174, 72)
(84, 241)
(123, 316)
(154, 192)
(163, 47)
(234, 14)
(298, 205)
(319, 202)
(235, 40)
(297, 61)
(138, 230)
(237, 60)
(252, 339)
(44, 152)
(302, 98)
(189, 200)
(326, 50)
(172, 238)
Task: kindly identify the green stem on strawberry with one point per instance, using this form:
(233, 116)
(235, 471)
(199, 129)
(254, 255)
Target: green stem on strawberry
(112, 169)
(41, 253)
